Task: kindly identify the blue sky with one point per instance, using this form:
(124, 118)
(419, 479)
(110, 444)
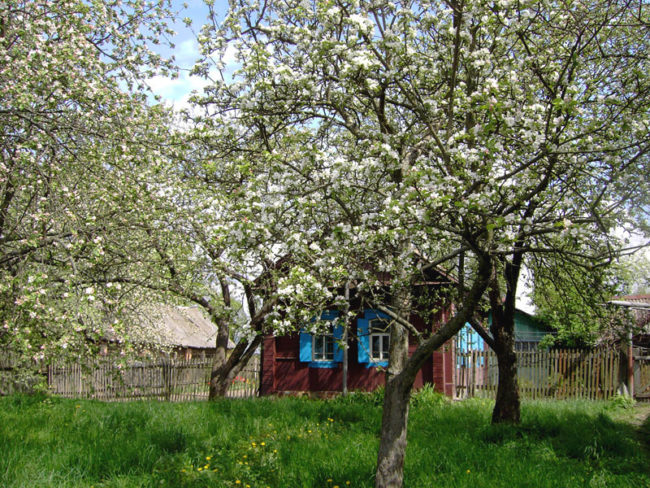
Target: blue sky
(176, 91)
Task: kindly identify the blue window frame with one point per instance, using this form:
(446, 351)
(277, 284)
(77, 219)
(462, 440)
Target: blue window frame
(322, 350)
(374, 338)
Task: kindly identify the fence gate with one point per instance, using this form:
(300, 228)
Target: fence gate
(642, 374)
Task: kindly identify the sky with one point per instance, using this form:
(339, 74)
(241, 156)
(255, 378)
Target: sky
(186, 51)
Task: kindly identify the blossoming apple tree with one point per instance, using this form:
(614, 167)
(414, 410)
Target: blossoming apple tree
(77, 139)
(487, 133)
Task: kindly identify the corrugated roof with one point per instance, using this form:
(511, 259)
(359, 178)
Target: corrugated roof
(641, 302)
(643, 298)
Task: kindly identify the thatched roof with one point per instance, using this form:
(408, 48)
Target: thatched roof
(186, 327)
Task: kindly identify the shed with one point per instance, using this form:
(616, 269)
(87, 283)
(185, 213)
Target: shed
(529, 331)
(181, 331)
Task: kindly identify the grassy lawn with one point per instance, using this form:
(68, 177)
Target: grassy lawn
(292, 442)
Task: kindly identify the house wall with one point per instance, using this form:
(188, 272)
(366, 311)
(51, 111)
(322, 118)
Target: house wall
(528, 330)
(283, 372)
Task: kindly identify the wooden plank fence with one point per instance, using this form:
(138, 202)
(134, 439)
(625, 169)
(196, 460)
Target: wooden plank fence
(162, 379)
(555, 374)
(642, 374)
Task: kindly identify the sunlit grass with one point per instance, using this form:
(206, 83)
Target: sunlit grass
(292, 442)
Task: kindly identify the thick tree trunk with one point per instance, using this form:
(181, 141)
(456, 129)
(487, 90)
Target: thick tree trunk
(392, 447)
(401, 375)
(224, 367)
(224, 372)
(507, 405)
(219, 383)
(219, 377)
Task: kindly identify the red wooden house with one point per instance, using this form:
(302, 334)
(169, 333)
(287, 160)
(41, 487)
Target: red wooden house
(305, 362)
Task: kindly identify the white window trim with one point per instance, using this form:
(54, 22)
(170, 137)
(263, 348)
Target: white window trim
(383, 355)
(322, 337)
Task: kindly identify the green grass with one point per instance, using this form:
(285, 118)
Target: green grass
(293, 442)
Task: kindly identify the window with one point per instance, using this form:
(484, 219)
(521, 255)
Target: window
(321, 350)
(379, 339)
(373, 339)
(322, 347)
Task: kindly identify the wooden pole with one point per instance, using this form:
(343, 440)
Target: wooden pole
(630, 365)
(346, 326)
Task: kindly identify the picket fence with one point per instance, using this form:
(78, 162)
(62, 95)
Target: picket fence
(161, 379)
(555, 374)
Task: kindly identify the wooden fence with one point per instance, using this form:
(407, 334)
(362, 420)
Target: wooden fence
(163, 379)
(542, 374)
(642, 374)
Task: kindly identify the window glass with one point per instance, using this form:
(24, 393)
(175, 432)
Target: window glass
(379, 339)
(323, 347)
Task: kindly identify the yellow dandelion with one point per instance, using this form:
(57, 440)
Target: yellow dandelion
(245, 456)
(468, 471)
(237, 482)
(336, 486)
(207, 458)
(253, 444)
(200, 469)
(262, 443)
(275, 451)
(347, 482)
(206, 466)
(329, 480)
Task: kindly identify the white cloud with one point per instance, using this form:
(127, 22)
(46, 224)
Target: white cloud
(229, 57)
(178, 89)
(186, 53)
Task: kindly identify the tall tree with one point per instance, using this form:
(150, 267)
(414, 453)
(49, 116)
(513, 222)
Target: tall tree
(76, 140)
(500, 131)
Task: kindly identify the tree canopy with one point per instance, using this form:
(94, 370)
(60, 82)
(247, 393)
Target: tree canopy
(77, 141)
(354, 138)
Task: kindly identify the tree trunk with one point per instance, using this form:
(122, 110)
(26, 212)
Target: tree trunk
(219, 377)
(219, 383)
(392, 447)
(507, 405)
(224, 367)
(401, 374)
(223, 373)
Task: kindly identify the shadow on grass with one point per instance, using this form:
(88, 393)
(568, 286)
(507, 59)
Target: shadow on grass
(294, 442)
(644, 434)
